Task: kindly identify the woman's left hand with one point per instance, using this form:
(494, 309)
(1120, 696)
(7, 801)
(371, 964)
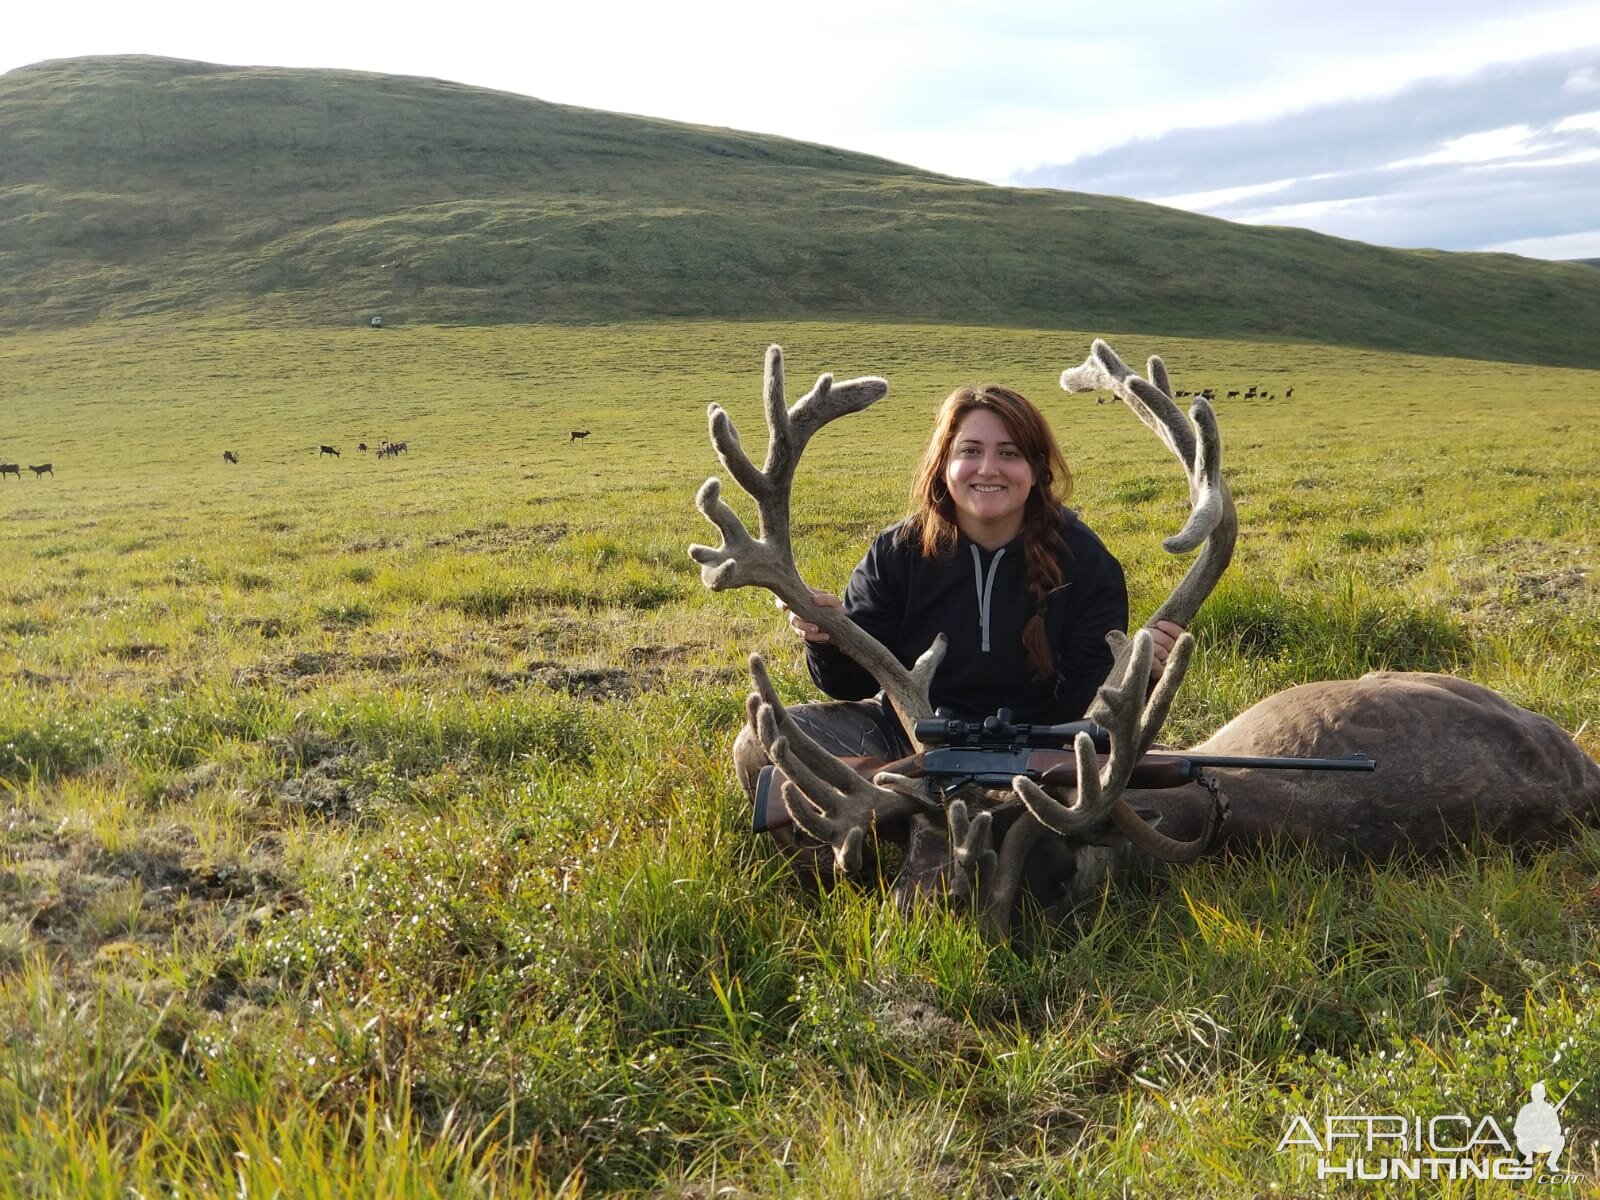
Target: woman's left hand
(1165, 636)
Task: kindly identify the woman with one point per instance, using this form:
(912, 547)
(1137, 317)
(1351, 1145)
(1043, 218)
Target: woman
(992, 558)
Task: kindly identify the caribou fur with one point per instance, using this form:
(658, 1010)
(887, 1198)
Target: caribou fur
(1456, 763)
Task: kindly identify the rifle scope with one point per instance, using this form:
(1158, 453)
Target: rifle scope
(944, 729)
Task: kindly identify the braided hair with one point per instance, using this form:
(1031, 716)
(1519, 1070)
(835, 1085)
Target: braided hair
(932, 521)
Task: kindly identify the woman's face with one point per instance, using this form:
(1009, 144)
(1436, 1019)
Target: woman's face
(988, 478)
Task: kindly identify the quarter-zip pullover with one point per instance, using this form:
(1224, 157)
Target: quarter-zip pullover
(980, 601)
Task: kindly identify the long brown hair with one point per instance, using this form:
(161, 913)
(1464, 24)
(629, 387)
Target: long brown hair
(932, 521)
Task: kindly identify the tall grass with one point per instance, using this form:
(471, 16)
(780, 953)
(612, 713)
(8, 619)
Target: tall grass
(369, 830)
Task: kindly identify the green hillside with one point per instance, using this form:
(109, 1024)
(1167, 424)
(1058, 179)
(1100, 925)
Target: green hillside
(144, 186)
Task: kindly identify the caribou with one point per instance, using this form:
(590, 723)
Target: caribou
(1455, 760)
(42, 470)
(11, 469)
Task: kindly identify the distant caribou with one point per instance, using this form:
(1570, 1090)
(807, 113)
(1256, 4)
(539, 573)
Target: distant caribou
(230, 456)
(42, 469)
(10, 469)
(576, 434)
(328, 450)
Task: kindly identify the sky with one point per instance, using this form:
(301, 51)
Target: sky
(1451, 124)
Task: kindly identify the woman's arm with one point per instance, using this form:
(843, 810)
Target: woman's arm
(875, 600)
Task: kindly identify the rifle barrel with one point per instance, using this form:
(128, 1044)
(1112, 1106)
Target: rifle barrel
(1349, 762)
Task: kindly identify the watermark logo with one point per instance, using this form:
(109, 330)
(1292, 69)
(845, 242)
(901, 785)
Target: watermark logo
(1538, 1127)
(1392, 1146)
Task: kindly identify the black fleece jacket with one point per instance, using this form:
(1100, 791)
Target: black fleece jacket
(979, 599)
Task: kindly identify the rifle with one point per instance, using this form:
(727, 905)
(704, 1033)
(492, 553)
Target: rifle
(991, 752)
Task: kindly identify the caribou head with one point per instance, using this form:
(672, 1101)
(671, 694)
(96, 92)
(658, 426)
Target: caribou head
(987, 838)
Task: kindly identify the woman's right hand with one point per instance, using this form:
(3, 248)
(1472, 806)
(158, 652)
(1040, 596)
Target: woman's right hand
(809, 629)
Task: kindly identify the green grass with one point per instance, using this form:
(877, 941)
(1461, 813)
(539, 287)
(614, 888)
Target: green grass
(138, 187)
(369, 827)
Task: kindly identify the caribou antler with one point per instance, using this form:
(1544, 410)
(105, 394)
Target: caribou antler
(1133, 723)
(826, 798)
(1197, 446)
(768, 560)
(1095, 799)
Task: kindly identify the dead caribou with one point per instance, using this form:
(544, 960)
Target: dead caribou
(1455, 759)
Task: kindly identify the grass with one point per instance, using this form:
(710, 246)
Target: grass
(140, 187)
(369, 827)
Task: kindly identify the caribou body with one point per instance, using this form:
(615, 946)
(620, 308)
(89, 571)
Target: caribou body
(1456, 761)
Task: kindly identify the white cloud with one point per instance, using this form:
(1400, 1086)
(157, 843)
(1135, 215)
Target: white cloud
(1586, 79)
(1310, 212)
(1487, 146)
(1222, 197)
(1577, 121)
(1570, 159)
(1561, 246)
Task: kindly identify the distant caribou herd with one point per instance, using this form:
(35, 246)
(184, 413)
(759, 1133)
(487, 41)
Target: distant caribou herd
(1250, 393)
(384, 450)
(1211, 394)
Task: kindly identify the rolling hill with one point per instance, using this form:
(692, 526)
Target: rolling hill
(136, 186)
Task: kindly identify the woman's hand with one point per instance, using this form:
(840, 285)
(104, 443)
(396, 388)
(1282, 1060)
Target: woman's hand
(1165, 636)
(808, 629)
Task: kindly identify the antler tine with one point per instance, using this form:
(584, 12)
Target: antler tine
(1103, 370)
(1216, 552)
(1001, 893)
(1132, 723)
(825, 797)
(1116, 707)
(1156, 372)
(767, 560)
(1142, 725)
(971, 851)
(763, 705)
(848, 841)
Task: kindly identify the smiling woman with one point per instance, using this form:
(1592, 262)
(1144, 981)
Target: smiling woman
(990, 554)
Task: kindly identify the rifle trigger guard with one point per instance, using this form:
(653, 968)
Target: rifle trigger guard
(935, 804)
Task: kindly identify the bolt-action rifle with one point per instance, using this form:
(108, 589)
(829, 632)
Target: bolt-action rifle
(992, 752)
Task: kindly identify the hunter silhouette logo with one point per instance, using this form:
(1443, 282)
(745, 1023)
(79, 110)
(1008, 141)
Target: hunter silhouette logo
(1448, 1145)
(1538, 1128)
